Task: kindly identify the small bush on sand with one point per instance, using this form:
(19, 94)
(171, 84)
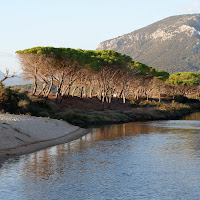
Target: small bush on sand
(23, 104)
(16, 101)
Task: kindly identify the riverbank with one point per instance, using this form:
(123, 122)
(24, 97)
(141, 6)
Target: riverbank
(23, 134)
(26, 134)
(88, 112)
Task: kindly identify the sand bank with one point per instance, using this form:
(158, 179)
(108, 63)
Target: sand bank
(25, 134)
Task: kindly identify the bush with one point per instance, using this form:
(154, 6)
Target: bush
(180, 98)
(15, 101)
(23, 104)
(183, 99)
(4, 97)
(75, 118)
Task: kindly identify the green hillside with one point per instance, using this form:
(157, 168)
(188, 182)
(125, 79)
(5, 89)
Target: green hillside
(172, 44)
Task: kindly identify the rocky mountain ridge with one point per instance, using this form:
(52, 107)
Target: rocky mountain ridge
(172, 44)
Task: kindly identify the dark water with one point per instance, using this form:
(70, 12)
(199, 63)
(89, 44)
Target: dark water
(149, 160)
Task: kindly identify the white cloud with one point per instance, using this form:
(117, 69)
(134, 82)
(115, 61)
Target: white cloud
(193, 7)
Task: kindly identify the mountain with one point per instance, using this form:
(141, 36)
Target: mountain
(172, 44)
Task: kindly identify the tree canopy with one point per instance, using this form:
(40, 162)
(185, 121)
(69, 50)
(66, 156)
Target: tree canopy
(68, 67)
(101, 73)
(184, 78)
(146, 70)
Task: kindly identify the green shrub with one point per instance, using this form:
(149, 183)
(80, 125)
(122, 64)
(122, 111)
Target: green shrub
(75, 118)
(4, 97)
(16, 101)
(180, 99)
(23, 104)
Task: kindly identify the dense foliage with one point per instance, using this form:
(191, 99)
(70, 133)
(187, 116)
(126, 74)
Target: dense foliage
(101, 73)
(146, 70)
(105, 72)
(185, 78)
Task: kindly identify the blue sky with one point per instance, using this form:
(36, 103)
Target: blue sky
(78, 23)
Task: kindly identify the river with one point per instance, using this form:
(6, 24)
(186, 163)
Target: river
(158, 160)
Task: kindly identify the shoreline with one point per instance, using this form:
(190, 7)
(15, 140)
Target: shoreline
(86, 112)
(27, 134)
(21, 134)
(109, 117)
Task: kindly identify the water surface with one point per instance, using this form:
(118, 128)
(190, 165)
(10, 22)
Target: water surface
(142, 160)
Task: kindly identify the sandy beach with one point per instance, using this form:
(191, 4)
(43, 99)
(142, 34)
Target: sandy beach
(25, 134)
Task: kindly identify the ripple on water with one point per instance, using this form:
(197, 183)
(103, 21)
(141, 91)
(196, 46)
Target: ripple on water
(150, 160)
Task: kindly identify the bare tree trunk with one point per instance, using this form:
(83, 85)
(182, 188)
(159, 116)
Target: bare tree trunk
(49, 90)
(109, 101)
(137, 95)
(159, 97)
(91, 91)
(35, 86)
(99, 94)
(74, 90)
(81, 95)
(58, 93)
(124, 98)
(147, 97)
(69, 89)
(103, 99)
(43, 89)
(120, 94)
(84, 91)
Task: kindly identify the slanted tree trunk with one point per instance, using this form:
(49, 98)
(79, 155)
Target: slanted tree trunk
(82, 90)
(91, 91)
(35, 85)
(159, 97)
(43, 89)
(49, 90)
(75, 88)
(6, 76)
(69, 89)
(58, 93)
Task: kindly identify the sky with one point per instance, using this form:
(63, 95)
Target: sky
(76, 23)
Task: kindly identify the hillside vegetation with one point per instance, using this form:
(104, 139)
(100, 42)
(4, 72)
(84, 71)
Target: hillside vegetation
(172, 44)
(94, 87)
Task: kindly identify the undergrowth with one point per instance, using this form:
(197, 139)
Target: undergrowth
(16, 101)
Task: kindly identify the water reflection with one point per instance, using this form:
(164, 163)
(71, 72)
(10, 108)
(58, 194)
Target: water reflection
(148, 160)
(167, 138)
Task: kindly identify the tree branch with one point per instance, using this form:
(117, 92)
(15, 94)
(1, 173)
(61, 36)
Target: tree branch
(6, 76)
